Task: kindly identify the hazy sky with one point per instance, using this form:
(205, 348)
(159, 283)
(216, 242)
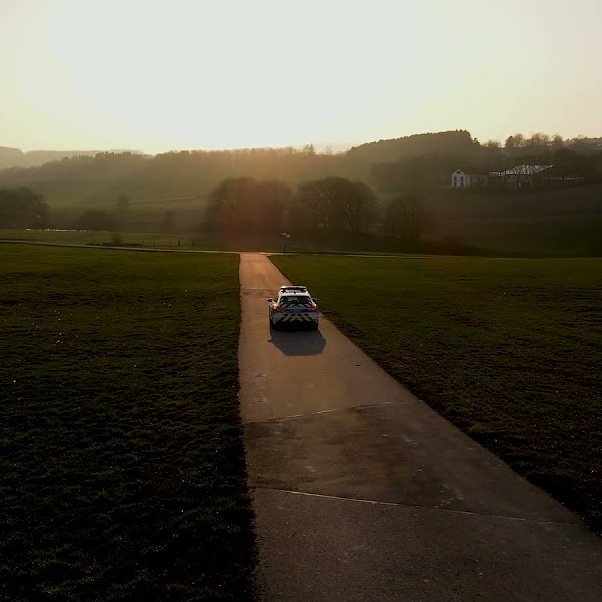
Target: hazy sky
(157, 75)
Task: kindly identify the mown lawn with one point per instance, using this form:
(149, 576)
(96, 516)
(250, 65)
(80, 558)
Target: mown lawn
(121, 456)
(508, 350)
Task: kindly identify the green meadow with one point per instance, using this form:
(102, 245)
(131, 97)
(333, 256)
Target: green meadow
(121, 451)
(509, 350)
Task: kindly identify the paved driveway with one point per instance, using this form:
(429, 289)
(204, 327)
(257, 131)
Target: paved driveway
(361, 492)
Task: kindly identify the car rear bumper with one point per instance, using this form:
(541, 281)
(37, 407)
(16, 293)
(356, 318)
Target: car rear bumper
(296, 320)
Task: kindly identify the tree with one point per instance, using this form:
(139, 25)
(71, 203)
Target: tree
(572, 163)
(336, 204)
(515, 142)
(22, 208)
(273, 198)
(359, 204)
(248, 206)
(405, 218)
(557, 142)
(538, 141)
(121, 212)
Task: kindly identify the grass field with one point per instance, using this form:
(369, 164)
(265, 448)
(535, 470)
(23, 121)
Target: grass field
(239, 242)
(121, 454)
(508, 350)
(557, 222)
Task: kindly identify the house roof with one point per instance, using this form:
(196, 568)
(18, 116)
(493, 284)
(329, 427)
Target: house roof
(464, 172)
(524, 170)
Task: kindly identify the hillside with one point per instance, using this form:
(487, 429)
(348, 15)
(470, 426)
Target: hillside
(15, 157)
(82, 182)
(173, 188)
(560, 222)
(408, 147)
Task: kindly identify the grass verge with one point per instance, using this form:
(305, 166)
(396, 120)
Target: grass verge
(508, 350)
(121, 452)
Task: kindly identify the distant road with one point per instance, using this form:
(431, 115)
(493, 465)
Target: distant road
(114, 247)
(178, 250)
(362, 492)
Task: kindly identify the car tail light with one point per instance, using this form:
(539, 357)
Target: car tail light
(279, 309)
(312, 308)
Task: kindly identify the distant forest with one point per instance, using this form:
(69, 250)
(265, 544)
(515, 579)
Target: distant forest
(395, 190)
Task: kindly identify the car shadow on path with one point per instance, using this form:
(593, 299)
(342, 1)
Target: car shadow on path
(298, 342)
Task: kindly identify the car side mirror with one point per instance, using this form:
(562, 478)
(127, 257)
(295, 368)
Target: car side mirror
(315, 300)
(270, 300)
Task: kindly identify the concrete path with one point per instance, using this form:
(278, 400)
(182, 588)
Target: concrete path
(361, 492)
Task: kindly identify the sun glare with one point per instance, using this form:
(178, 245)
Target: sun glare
(251, 74)
(234, 73)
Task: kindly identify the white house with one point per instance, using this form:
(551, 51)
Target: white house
(459, 179)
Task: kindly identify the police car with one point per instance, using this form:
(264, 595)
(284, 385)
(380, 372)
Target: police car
(293, 306)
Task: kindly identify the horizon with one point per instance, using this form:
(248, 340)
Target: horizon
(160, 77)
(324, 148)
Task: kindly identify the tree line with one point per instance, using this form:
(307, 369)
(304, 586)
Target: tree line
(387, 189)
(406, 165)
(21, 207)
(332, 207)
(24, 208)
(418, 172)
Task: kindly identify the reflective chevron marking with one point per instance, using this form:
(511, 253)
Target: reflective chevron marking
(296, 318)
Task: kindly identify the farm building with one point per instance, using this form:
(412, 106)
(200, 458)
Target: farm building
(522, 176)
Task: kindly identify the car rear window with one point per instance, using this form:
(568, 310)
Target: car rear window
(295, 300)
